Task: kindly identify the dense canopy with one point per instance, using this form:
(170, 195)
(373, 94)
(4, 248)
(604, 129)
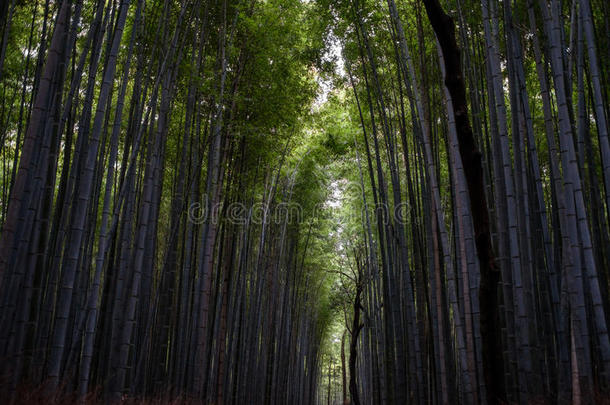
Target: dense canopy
(305, 201)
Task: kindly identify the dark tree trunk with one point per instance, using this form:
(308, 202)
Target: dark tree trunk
(471, 158)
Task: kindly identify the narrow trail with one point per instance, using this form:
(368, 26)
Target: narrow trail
(304, 202)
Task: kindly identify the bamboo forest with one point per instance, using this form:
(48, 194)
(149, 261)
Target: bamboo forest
(294, 202)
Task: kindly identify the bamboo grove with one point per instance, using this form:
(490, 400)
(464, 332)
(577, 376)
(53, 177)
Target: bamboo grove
(482, 268)
(295, 202)
(133, 131)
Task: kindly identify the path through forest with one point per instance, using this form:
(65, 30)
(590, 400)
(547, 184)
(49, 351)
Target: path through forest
(299, 202)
